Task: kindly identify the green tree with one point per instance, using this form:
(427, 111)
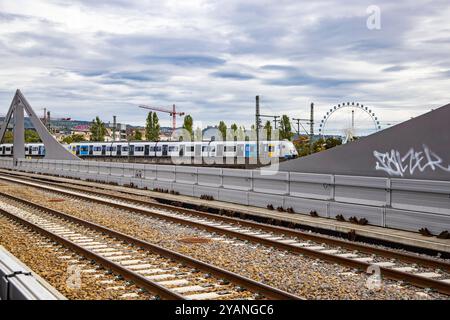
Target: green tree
(302, 145)
(156, 127)
(223, 130)
(152, 127)
(148, 126)
(332, 142)
(31, 136)
(187, 125)
(67, 139)
(268, 128)
(285, 128)
(234, 131)
(137, 135)
(319, 145)
(8, 137)
(98, 130)
(74, 138)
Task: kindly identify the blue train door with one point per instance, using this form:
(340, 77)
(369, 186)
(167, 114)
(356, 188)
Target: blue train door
(247, 150)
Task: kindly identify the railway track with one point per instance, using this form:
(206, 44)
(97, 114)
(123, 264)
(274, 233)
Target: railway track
(164, 273)
(417, 270)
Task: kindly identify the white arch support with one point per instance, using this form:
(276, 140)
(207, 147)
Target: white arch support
(53, 149)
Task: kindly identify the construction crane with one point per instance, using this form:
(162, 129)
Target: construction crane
(173, 113)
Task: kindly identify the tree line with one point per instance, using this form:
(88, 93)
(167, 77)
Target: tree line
(98, 130)
(153, 130)
(31, 136)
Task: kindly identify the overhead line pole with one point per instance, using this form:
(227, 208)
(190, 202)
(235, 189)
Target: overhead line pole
(257, 129)
(275, 121)
(310, 121)
(311, 128)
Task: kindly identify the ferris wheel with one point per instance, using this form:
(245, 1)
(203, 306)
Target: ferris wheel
(349, 121)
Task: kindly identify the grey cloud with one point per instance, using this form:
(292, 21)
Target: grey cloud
(278, 68)
(395, 68)
(291, 50)
(232, 75)
(321, 82)
(55, 45)
(8, 17)
(184, 60)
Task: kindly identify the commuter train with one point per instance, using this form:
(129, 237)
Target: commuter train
(212, 149)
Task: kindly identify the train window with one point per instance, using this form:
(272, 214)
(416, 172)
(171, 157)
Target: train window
(84, 148)
(204, 148)
(173, 148)
(230, 149)
(7, 149)
(138, 149)
(124, 148)
(213, 149)
(152, 149)
(97, 148)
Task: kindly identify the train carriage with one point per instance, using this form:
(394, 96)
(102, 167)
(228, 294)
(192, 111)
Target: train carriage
(186, 149)
(6, 149)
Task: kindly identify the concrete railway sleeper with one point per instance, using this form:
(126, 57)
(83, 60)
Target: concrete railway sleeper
(281, 238)
(158, 270)
(317, 238)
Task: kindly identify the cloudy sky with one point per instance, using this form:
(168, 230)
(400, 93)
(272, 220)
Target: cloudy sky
(86, 58)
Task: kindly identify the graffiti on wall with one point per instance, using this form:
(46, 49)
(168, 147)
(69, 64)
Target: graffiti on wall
(396, 164)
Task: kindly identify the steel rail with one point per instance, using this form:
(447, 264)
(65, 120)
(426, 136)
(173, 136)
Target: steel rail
(265, 290)
(117, 268)
(417, 280)
(402, 256)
